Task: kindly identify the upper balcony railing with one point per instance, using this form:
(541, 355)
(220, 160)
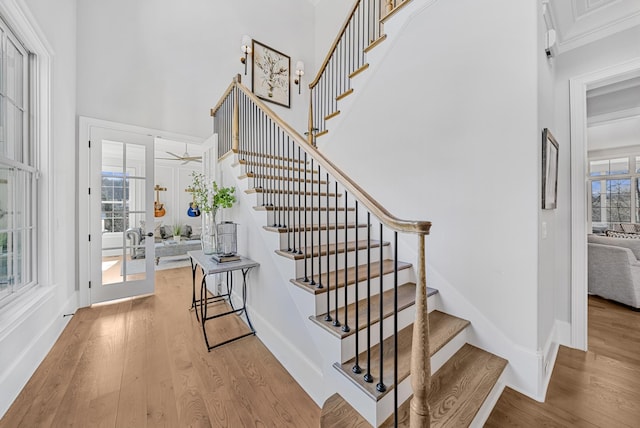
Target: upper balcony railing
(361, 31)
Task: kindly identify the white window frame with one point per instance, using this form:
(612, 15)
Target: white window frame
(628, 152)
(16, 15)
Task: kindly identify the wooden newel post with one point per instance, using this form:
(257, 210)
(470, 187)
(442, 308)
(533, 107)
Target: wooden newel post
(420, 360)
(235, 120)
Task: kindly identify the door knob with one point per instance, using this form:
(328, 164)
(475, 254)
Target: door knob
(150, 234)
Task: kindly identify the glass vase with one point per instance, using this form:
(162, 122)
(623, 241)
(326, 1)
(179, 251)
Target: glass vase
(209, 236)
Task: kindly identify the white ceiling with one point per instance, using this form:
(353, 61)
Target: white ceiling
(578, 22)
(614, 134)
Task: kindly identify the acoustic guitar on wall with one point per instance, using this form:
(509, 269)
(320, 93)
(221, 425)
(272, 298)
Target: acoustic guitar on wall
(158, 208)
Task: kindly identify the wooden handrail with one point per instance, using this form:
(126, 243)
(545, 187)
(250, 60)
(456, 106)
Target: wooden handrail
(224, 96)
(391, 221)
(334, 45)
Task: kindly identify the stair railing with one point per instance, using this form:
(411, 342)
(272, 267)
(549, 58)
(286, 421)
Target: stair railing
(361, 31)
(301, 189)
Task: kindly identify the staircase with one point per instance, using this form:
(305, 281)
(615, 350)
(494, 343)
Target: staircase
(396, 356)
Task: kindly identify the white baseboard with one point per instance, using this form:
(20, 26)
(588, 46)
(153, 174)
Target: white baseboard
(34, 333)
(304, 371)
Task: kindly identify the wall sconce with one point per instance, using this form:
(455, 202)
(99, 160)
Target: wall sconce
(246, 50)
(299, 73)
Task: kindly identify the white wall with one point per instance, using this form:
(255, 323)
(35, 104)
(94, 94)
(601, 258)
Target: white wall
(329, 17)
(613, 134)
(616, 49)
(547, 227)
(163, 64)
(450, 133)
(30, 337)
(176, 178)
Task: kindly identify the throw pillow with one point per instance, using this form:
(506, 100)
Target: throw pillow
(614, 234)
(186, 231)
(628, 227)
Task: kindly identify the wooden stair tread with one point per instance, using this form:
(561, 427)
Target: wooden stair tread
(314, 228)
(358, 71)
(344, 94)
(278, 177)
(458, 389)
(268, 156)
(387, 267)
(442, 328)
(375, 43)
(290, 192)
(296, 208)
(313, 251)
(274, 166)
(336, 412)
(332, 115)
(406, 298)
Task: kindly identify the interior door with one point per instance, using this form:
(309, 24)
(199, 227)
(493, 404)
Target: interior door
(121, 214)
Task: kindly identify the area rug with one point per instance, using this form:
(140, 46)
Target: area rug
(170, 262)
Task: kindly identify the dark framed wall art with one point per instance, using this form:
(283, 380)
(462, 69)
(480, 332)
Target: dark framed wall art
(550, 150)
(270, 75)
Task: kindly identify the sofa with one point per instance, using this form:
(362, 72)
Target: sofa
(614, 268)
(165, 244)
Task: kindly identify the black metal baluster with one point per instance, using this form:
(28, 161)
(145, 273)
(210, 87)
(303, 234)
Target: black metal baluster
(300, 209)
(336, 321)
(380, 387)
(289, 208)
(313, 250)
(271, 184)
(293, 184)
(395, 328)
(356, 367)
(280, 184)
(367, 377)
(345, 326)
(328, 317)
(306, 232)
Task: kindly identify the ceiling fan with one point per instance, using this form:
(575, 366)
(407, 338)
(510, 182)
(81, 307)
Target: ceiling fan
(185, 158)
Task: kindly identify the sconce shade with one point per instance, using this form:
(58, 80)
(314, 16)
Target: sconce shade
(300, 68)
(246, 44)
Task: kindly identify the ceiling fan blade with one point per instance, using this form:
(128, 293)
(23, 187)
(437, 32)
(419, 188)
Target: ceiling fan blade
(176, 156)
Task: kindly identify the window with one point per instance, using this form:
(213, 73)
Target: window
(615, 191)
(115, 201)
(18, 173)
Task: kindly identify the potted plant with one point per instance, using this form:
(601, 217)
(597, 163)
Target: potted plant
(210, 198)
(177, 230)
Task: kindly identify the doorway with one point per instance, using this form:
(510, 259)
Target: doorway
(578, 88)
(121, 201)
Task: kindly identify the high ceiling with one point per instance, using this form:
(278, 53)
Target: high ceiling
(578, 22)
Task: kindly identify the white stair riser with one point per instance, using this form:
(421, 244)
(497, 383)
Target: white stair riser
(266, 168)
(284, 217)
(271, 183)
(305, 237)
(405, 275)
(405, 318)
(295, 199)
(350, 260)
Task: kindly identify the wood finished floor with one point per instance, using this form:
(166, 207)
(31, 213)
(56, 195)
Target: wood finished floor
(599, 388)
(142, 362)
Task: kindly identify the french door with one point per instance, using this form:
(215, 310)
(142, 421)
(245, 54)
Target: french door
(121, 218)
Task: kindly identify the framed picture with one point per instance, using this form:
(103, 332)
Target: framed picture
(270, 75)
(549, 171)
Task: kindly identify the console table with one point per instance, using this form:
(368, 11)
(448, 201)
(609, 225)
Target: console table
(210, 267)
